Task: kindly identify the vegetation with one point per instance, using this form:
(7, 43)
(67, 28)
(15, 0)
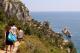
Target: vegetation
(32, 44)
(39, 38)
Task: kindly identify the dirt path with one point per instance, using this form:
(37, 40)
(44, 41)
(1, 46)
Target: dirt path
(14, 50)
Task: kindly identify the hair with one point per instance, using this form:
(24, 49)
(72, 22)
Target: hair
(11, 24)
(7, 28)
(19, 28)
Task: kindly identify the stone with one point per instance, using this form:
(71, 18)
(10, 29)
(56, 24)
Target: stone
(16, 8)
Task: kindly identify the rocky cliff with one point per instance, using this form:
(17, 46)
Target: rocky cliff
(15, 8)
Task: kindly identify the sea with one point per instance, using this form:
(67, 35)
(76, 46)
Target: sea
(58, 20)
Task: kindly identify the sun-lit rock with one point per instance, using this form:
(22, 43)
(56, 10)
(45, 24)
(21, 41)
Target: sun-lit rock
(15, 8)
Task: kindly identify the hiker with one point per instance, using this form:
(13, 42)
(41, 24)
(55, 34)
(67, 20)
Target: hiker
(8, 43)
(13, 30)
(66, 32)
(20, 34)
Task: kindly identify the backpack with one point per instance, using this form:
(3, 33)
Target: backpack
(12, 37)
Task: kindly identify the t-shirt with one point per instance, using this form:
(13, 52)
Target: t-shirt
(20, 34)
(14, 30)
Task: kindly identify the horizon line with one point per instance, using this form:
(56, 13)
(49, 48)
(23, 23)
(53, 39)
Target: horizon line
(57, 11)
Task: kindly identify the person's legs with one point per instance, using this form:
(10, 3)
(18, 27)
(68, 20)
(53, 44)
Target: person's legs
(19, 39)
(13, 45)
(10, 48)
(6, 48)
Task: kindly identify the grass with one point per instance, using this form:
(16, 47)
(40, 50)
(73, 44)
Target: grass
(33, 44)
(2, 35)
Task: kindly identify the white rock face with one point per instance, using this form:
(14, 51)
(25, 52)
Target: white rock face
(16, 8)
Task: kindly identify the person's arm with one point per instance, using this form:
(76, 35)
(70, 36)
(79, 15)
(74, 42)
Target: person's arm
(23, 33)
(5, 37)
(17, 32)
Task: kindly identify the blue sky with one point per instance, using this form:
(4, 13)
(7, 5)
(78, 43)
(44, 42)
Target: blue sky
(52, 5)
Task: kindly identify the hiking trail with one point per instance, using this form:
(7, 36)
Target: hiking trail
(14, 50)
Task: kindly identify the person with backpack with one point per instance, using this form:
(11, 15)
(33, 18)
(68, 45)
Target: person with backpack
(13, 31)
(7, 41)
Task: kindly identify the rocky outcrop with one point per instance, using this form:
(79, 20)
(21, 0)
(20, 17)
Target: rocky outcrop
(15, 8)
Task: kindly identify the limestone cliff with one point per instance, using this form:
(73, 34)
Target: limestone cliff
(15, 8)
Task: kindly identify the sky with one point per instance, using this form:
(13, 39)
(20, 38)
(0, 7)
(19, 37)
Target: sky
(52, 5)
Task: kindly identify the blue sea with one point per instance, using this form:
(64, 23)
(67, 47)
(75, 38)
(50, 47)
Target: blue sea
(58, 20)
